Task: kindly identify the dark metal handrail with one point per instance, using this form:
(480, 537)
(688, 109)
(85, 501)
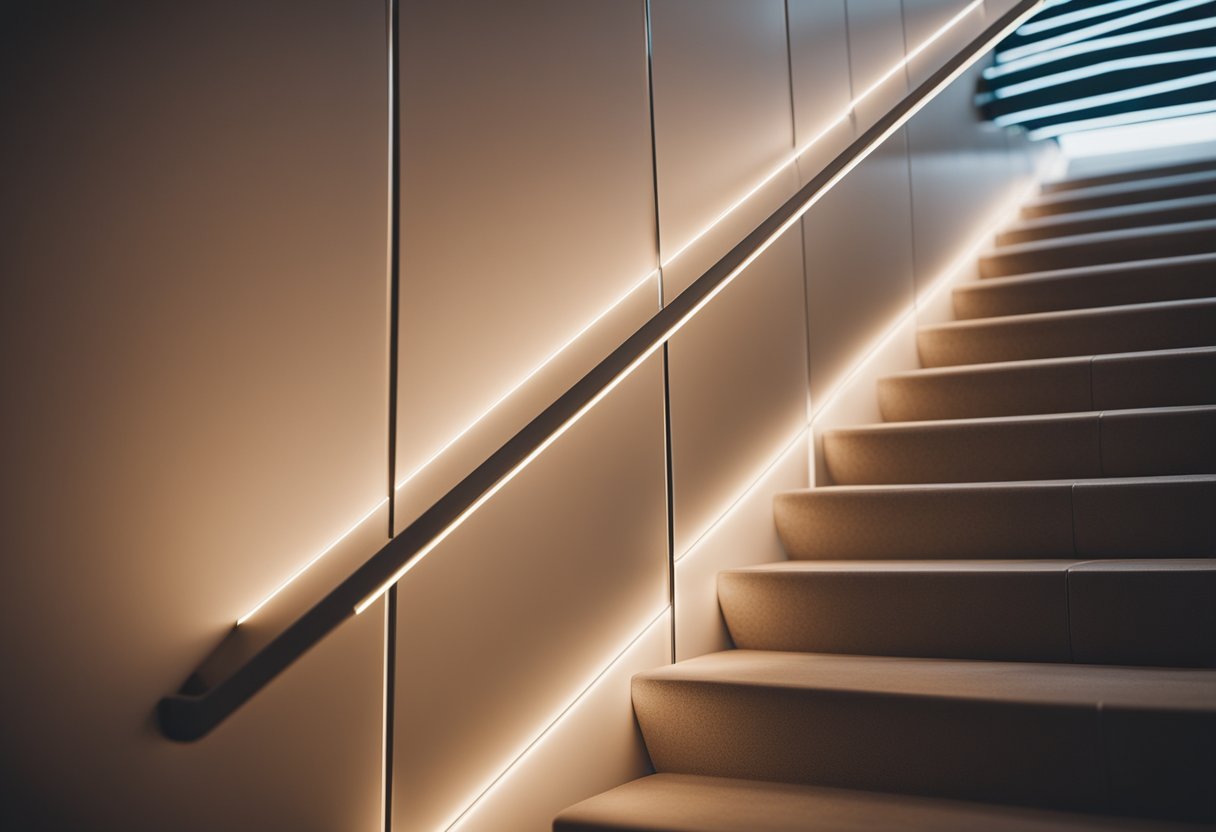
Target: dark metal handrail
(245, 668)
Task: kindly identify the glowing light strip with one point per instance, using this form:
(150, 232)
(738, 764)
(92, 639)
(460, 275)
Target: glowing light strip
(1126, 39)
(536, 740)
(525, 379)
(848, 168)
(1194, 108)
(1095, 70)
(787, 448)
(1098, 29)
(1036, 26)
(1089, 102)
(329, 548)
(837, 120)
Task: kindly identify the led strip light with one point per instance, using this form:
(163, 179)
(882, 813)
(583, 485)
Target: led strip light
(840, 118)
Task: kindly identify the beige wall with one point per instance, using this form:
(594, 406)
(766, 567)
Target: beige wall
(195, 356)
(194, 364)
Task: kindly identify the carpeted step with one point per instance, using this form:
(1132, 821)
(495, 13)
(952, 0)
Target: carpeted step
(1052, 385)
(1121, 740)
(1121, 193)
(1143, 281)
(692, 803)
(1119, 246)
(1128, 611)
(1132, 328)
(1146, 517)
(1120, 443)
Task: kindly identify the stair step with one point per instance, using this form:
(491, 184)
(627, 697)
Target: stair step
(1121, 193)
(1096, 249)
(1128, 175)
(1130, 612)
(692, 803)
(1137, 215)
(1052, 385)
(1131, 328)
(1144, 281)
(1116, 443)
(1080, 737)
(1146, 517)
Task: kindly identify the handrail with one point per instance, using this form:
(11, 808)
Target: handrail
(245, 667)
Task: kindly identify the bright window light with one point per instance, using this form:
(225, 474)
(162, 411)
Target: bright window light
(1046, 25)
(1137, 117)
(1125, 139)
(1098, 29)
(1089, 102)
(1100, 44)
(1096, 70)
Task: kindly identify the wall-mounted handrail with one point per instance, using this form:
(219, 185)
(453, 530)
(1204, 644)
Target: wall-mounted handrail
(239, 668)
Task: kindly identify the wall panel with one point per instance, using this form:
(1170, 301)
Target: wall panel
(819, 71)
(527, 207)
(193, 339)
(876, 46)
(506, 622)
(723, 122)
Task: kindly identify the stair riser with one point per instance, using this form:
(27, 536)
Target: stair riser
(1107, 615)
(1135, 444)
(1043, 755)
(1114, 518)
(1114, 330)
(1065, 386)
(1140, 219)
(1093, 252)
(987, 299)
(1197, 187)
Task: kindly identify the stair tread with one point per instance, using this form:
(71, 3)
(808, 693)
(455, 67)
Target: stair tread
(1072, 314)
(958, 679)
(1128, 174)
(1131, 188)
(1001, 485)
(1146, 209)
(1013, 421)
(1033, 363)
(697, 803)
(991, 284)
(954, 565)
(1099, 237)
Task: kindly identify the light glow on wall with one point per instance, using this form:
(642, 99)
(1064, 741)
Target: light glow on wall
(843, 116)
(836, 121)
(549, 359)
(313, 560)
(531, 746)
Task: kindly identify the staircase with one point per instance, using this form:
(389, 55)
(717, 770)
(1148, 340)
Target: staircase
(1002, 615)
